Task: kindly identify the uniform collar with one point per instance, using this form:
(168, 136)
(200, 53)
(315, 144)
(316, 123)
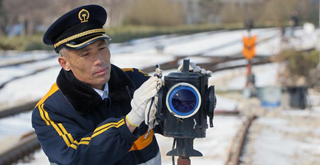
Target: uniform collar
(103, 93)
(84, 98)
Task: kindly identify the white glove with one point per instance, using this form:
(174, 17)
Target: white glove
(139, 102)
(194, 68)
(150, 113)
(152, 105)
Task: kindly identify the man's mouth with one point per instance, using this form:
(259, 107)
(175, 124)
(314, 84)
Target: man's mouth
(100, 72)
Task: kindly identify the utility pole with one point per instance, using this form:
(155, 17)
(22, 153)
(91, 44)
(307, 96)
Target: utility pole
(318, 66)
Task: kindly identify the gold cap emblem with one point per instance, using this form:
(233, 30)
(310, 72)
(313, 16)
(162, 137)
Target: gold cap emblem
(84, 15)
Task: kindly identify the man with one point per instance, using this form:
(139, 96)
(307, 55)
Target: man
(294, 21)
(94, 112)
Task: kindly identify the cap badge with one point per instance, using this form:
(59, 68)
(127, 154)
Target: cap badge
(84, 15)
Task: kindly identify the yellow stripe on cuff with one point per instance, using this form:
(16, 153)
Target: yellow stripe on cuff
(106, 125)
(105, 129)
(84, 142)
(86, 138)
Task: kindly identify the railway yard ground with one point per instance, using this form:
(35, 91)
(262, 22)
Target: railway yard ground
(245, 131)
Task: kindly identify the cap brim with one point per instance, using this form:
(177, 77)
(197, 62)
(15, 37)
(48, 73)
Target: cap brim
(88, 42)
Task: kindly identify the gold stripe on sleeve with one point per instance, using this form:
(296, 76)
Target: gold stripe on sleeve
(70, 137)
(106, 125)
(74, 146)
(86, 138)
(40, 107)
(65, 132)
(55, 126)
(60, 129)
(119, 124)
(84, 142)
(66, 140)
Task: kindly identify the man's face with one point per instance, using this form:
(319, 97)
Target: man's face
(90, 64)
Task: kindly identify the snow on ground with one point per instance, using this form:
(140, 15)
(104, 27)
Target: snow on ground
(140, 60)
(28, 89)
(303, 39)
(285, 138)
(269, 47)
(8, 73)
(227, 48)
(148, 44)
(235, 79)
(19, 125)
(12, 57)
(199, 46)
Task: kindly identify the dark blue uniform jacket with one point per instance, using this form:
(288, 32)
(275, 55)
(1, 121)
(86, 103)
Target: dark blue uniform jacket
(75, 126)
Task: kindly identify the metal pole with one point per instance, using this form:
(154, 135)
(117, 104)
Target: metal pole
(318, 66)
(248, 72)
(248, 65)
(184, 161)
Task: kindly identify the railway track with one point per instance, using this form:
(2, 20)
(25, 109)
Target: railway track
(24, 148)
(18, 109)
(238, 143)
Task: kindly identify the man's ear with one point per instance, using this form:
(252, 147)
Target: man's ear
(63, 61)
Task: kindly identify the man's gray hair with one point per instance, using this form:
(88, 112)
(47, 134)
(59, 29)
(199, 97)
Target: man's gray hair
(62, 52)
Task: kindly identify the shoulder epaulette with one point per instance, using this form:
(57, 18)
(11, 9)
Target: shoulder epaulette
(135, 71)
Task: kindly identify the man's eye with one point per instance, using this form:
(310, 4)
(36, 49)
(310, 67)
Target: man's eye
(102, 48)
(85, 54)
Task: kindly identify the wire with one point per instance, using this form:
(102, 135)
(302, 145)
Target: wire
(174, 143)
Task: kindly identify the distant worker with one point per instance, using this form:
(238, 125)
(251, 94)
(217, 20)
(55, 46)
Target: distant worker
(94, 112)
(249, 24)
(294, 21)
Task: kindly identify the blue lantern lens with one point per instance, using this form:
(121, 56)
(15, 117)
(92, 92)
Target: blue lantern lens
(183, 100)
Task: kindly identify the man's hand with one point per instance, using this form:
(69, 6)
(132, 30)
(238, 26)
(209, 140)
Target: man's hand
(139, 102)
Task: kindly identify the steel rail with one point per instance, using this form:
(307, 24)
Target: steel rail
(23, 148)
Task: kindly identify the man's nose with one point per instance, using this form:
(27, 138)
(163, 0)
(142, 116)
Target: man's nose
(99, 58)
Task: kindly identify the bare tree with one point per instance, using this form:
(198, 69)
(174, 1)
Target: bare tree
(210, 10)
(279, 11)
(154, 13)
(29, 14)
